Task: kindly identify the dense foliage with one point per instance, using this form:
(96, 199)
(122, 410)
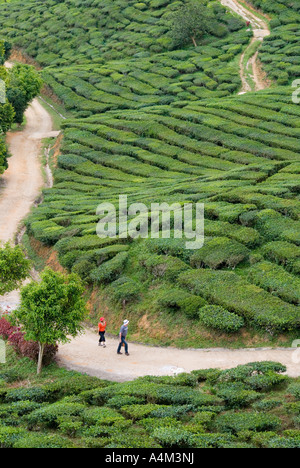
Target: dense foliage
(51, 310)
(251, 406)
(14, 268)
(18, 86)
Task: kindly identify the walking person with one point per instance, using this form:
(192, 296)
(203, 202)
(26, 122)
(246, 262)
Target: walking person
(122, 335)
(102, 328)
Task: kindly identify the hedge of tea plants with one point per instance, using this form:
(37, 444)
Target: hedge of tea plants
(251, 406)
(180, 75)
(99, 30)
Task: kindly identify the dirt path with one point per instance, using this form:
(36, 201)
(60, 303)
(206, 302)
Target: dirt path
(252, 68)
(84, 355)
(21, 184)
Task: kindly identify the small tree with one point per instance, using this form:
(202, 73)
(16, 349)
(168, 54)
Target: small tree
(3, 158)
(14, 268)
(190, 23)
(23, 85)
(51, 310)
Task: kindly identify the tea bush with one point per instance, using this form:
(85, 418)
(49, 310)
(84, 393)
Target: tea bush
(207, 408)
(237, 422)
(220, 319)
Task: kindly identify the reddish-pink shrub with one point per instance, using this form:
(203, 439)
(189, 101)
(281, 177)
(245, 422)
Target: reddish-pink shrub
(28, 349)
(15, 339)
(6, 328)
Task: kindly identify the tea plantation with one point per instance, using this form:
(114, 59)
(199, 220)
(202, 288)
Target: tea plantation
(163, 124)
(215, 152)
(251, 406)
(280, 51)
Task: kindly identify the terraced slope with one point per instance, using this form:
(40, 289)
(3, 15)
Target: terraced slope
(162, 126)
(97, 31)
(240, 156)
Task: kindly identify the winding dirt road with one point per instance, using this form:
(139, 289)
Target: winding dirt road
(260, 31)
(21, 184)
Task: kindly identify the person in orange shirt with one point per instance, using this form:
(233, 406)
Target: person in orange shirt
(102, 328)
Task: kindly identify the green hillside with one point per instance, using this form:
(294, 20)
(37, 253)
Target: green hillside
(163, 124)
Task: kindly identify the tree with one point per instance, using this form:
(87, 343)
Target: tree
(23, 85)
(7, 50)
(14, 268)
(51, 310)
(190, 23)
(3, 155)
(2, 52)
(17, 98)
(7, 116)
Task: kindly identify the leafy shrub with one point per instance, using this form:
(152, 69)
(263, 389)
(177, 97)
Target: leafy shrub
(120, 401)
(218, 318)
(237, 422)
(6, 329)
(28, 349)
(213, 440)
(161, 266)
(173, 412)
(267, 404)
(209, 375)
(110, 270)
(265, 382)
(101, 415)
(137, 412)
(276, 280)
(72, 386)
(170, 437)
(182, 379)
(125, 290)
(42, 441)
(294, 389)
(220, 252)
(179, 301)
(234, 293)
(236, 395)
(10, 435)
(33, 394)
(50, 415)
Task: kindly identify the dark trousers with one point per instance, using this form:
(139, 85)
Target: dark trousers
(102, 337)
(123, 341)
